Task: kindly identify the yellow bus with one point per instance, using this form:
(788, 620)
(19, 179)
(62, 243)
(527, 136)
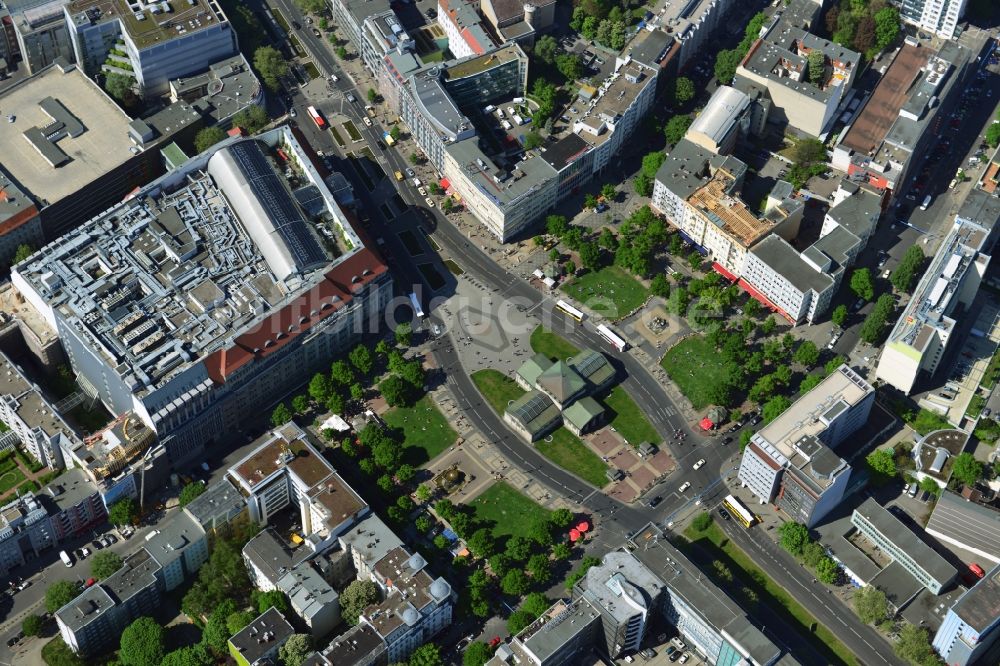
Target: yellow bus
(740, 512)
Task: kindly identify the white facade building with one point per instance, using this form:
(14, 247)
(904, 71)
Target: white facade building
(940, 17)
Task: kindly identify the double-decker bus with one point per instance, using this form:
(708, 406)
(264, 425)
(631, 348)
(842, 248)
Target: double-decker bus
(570, 310)
(317, 118)
(613, 338)
(415, 302)
(739, 511)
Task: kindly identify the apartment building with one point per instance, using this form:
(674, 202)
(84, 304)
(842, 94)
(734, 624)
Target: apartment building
(921, 335)
(151, 42)
(779, 63)
(972, 624)
(25, 530)
(258, 643)
(940, 17)
(894, 538)
(40, 30)
(467, 36)
(793, 462)
(171, 329)
(694, 25)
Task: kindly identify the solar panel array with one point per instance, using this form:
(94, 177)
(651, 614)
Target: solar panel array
(281, 210)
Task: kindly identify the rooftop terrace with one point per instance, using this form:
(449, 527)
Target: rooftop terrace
(149, 23)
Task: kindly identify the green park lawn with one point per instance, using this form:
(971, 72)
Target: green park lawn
(695, 366)
(716, 545)
(426, 432)
(567, 451)
(10, 475)
(497, 388)
(628, 419)
(510, 512)
(544, 341)
(610, 291)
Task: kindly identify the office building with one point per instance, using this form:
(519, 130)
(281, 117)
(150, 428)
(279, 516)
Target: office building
(801, 285)
(169, 327)
(67, 156)
(972, 624)
(217, 507)
(924, 328)
(967, 524)
(894, 538)
(897, 125)
(226, 88)
(792, 460)
(285, 470)
(779, 63)
(25, 530)
(152, 42)
(699, 194)
(40, 30)
(467, 36)
(258, 643)
(33, 422)
(937, 16)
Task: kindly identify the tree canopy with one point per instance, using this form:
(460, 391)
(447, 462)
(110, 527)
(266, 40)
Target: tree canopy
(793, 537)
(355, 598)
(190, 492)
(58, 594)
(870, 604)
(967, 469)
(104, 563)
(295, 650)
(271, 65)
(208, 137)
(123, 512)
(142, 643)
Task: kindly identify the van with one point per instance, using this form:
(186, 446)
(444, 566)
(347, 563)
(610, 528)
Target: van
(912, 491)
(926, 202)
(64, 556)
(490, 109)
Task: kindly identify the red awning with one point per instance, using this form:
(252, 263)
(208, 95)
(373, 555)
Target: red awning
(444, 184)
(718, 268)
(764, 300)
(706, 424)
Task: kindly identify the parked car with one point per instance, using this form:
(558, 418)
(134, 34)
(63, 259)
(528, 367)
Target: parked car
(699, 464)
(726, 440)
(724, 514)
(655, 501)
(684, 486)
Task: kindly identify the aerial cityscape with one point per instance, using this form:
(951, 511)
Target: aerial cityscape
(499, 332)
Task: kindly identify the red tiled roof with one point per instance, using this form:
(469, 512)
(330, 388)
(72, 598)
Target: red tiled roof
(298, 316)
(18, 219)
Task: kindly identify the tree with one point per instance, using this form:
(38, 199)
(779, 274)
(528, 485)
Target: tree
(539, 568)
(967, 469)
(404, 334)
(793, 537)
(395, 134)
(427, 654)
(726, 62)
(319, 388)
(361, 358)
(745, 438)
(295, 650)
(335, 403)
(864, 35)
(300, 404)
(193, 655)
(862, 285)
(357, 391)
(58, 594)
(774, 407)
(812, 553)
(311, 6)
(518, 620)
(684, 90)
(702, 521)
(839, 315)
(271, 65)
(556, 225)
(447, 205)
(886, 27)
(608, 191)
(142, 643)
(561, 518)
(106, 562)
(515, 583)
(216, 631)
(870, 604)
(546, 49)
(208, 137)
(33, 625)
(478, 653)
(119, 86)
(992, 136)
(22, 252)
(817, 66)
(590, 256)
(372, 95)
(928, 485)
(236, 622)
(423, 492)
(807, 354)
(882, 464)
(906, 272)
(535, 603)
(569, 65)
(281, 415)
(827, 570)
(532, 140)
(590, 200)
(123, 512)
(659, 286)
(265, 600)
(561, 551)
(341, 373)
(676, 128)
(914, 645)
(355, 598)
(252, 119)
(482, 544)
(643, 185)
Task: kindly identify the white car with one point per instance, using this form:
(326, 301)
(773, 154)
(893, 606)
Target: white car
(698, 464)
(430, 202)
(510, 110)
(423, 192)
(684, 486)
(367, 121)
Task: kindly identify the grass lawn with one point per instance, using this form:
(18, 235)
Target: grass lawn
(426, 431)
(497, 388)
(511, 513)
(544, 341)
(573, 456)
(742, 567)
(610, 291)
(695, 366)
(628, 419)
(57, 653)
(10, 476)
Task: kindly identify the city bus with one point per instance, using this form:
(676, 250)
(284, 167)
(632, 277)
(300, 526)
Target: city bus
(570, 310)
(318, 119)
(739, 511)
(417, 310)
(613, 338)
